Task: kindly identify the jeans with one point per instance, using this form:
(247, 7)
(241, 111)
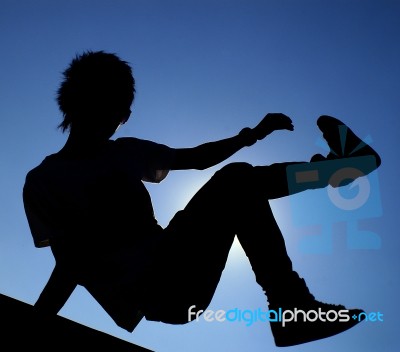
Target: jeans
(193, 250)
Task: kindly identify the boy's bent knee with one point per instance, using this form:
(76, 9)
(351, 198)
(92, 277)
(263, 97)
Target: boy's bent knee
(234, 179)
(236, 169)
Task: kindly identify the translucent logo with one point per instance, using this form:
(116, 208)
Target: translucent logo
(360, 183)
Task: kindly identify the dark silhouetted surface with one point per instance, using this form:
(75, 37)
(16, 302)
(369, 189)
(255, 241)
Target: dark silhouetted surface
(22, 327)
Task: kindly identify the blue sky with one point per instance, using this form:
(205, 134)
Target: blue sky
(204, 70)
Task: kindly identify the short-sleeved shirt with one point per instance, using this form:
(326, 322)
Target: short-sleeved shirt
(96, 213)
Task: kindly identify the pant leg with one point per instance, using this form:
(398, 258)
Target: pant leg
(194, 250)
(197, 241)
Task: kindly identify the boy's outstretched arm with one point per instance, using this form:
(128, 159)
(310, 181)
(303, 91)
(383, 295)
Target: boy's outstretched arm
(212, 153)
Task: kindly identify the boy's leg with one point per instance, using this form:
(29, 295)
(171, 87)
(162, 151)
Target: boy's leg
(286, 291)
(196, 246)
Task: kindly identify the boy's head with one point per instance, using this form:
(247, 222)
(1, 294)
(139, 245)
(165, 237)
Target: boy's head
(96, 86)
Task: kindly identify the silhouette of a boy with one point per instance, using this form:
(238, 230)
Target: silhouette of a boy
(88, 203)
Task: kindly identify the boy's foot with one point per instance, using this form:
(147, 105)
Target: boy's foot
(296, 317)
(307, 322)
(342, 141)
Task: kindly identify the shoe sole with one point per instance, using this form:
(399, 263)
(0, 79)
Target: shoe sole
(342, 141)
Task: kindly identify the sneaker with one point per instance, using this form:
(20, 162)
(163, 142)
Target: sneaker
(307, 322)
(342, 141)
(296, 317)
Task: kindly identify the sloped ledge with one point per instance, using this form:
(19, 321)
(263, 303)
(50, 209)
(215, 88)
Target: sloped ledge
(22, 327)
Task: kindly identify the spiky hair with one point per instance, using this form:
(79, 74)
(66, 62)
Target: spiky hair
(94, 81)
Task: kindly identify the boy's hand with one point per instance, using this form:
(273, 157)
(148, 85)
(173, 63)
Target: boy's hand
(272, 122)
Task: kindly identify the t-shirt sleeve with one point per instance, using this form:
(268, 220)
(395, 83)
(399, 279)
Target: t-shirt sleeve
(35, 215)
(155, 159)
